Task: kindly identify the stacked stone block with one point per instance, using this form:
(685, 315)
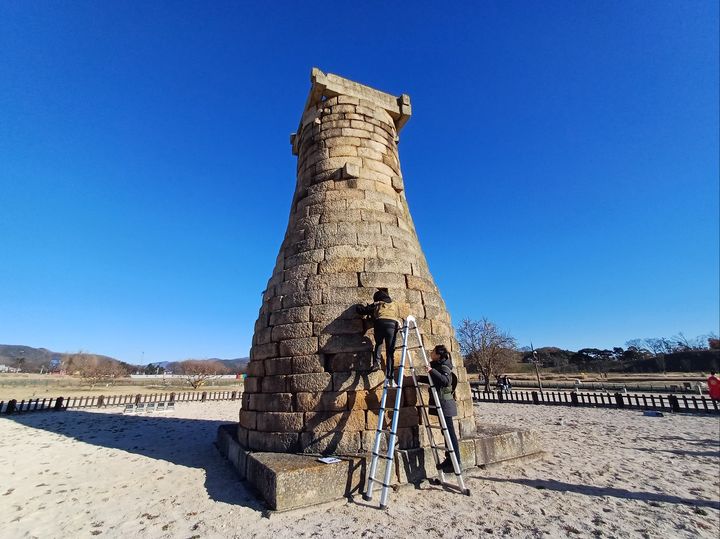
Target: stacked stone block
(309, 386)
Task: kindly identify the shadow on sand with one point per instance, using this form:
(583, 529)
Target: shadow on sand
(589, 490)
(185, 442)
(681, 452)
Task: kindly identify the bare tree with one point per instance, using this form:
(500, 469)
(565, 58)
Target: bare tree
(19, 363)
(657, 346)
(684, 344)
(638, 346)
(486, 347)
(197, 371)
(92, 368)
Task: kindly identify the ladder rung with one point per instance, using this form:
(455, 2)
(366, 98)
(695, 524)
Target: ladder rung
(436, 427)
(380, 482)
(450, 485)
(382, 456)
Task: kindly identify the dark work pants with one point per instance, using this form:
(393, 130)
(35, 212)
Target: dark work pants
(453, 438)
(385, 331)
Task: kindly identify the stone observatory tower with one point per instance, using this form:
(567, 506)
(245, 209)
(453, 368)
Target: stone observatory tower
(310, 387)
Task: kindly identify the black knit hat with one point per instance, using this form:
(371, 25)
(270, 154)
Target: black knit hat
(382, 296)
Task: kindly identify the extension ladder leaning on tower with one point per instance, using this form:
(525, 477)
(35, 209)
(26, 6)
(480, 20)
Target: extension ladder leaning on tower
(410, 326)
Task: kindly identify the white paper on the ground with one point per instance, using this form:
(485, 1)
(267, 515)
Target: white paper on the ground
(329, 460)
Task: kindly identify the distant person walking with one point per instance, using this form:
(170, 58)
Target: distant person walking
(440, 371)
(713, 383)
(386, 316)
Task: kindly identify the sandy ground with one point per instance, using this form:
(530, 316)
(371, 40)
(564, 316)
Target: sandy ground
(607, 473)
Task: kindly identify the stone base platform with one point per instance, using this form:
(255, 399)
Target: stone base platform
(290, 481)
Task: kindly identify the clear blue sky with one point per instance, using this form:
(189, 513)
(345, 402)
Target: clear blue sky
(561, 163)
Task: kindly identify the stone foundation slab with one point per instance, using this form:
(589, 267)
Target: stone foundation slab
(290, 481)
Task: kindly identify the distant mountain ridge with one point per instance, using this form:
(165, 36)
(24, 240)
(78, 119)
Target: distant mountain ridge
(35, 358)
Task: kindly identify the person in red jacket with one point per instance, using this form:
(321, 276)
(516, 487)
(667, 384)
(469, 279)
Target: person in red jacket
(713, 383)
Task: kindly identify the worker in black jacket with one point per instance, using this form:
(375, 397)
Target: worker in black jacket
(440, 371)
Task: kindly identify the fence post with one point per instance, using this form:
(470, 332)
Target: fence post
(574, 398)
(58, 404)
(12, 403)
(707, 409)
(172, 397)
(619, 400)
(101, 400)
(203, 397)
(535, 397)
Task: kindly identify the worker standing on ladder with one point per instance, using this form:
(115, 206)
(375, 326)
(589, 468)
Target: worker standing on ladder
(385, 315)
(445, 380)
(440, 376)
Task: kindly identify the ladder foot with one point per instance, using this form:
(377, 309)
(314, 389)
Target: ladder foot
(466, 492)
(367, 498)
(383, 506)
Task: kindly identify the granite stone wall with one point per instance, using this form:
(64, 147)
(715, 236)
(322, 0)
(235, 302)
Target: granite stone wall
(309, 386)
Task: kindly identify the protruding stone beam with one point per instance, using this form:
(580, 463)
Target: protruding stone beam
(405, 111)
(325, 85)
(350, 171)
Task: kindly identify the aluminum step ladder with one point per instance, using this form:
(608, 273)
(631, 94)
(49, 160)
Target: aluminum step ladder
(408, 328)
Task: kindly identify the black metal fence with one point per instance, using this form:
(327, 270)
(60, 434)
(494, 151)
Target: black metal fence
(679, 388)
(667, 403)
(63, 403)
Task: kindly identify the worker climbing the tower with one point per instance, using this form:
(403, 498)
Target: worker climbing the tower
(385, 315)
